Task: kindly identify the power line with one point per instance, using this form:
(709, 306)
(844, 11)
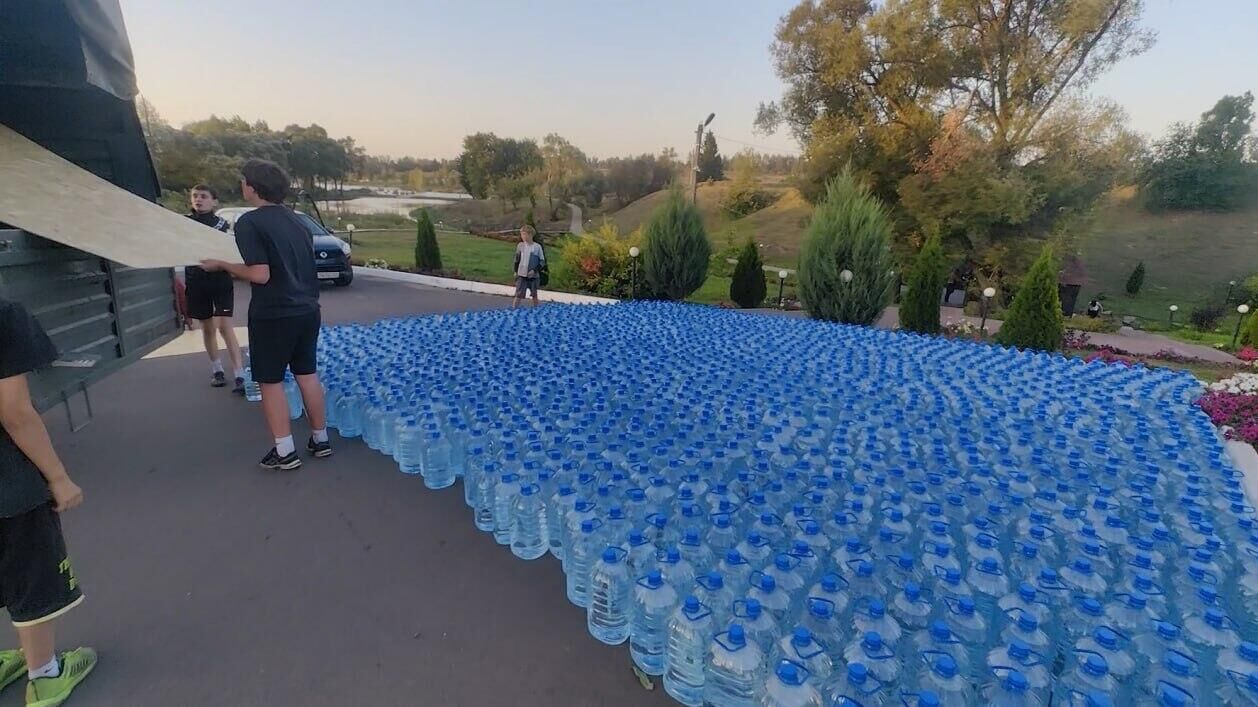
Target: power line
(794, 152)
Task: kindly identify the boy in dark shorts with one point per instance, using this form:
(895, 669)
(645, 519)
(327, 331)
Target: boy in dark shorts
(37, 583)
(284, 310)
(211, 297)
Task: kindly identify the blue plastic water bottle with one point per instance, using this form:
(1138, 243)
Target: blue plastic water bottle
(528, 533)
(735, 670)
(690, 632)
(653, 604)
(610, 598)
(790, 685)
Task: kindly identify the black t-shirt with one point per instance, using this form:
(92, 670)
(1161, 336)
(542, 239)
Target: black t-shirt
(24, 347)
(271, 235)
(216, 222)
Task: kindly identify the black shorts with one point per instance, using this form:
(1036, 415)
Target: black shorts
(37, 582)
(287, 342)
(210, 294)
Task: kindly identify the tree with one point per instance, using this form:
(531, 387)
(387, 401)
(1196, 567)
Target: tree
(427, 252)
(1136, 280)
(1034, 319)
(965, 116)
(631, 178)
(919, 309)
(675, 249)
(475, 163)
(561, 163)
(1203, 165)
(711, 168)
(747, 287)
(850, 233)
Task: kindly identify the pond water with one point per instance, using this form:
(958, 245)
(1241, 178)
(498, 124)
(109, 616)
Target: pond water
(385, 204)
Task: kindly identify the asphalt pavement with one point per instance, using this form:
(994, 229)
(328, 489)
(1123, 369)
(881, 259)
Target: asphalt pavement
(211, 582)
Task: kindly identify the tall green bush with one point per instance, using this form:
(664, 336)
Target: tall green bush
(850, 230)
(1249, 332)
(1034, 320)
(919, 310)
(427, 253)
(1136, 280)
(675, 249)
(748, 287)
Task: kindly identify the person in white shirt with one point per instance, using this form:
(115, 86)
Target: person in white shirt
(529, 261)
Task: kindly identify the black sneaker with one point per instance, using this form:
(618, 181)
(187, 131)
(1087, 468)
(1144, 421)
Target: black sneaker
(275, 462)
(219, 380)
(239, 388)
(319, 449)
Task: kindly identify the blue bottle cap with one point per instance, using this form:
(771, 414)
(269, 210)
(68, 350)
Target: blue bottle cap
(857, 673)
(1095, 665)
(767, 583)
(691, 604)
(801, 636)
(610, 556)
(946, 667)
(737, 635)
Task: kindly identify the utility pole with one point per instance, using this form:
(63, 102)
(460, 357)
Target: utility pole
(694, 174)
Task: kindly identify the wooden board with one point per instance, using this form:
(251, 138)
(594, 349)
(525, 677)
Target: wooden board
(53, 198)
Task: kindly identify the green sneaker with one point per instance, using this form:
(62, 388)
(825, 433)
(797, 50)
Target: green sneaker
(50, 692)
(12, 665)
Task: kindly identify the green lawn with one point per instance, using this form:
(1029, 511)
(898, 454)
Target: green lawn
(474, 258)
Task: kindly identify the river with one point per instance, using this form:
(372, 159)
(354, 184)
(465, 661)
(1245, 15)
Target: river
(388, 205)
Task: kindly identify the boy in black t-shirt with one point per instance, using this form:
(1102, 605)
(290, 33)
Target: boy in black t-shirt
(283, 311)
(211, 297)
(37, 583)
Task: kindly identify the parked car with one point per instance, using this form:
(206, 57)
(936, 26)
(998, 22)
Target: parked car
(331, 253)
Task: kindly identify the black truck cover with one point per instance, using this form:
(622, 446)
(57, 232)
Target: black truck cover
(67, 82)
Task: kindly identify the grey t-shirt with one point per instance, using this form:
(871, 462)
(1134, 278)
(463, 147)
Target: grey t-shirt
(271, 235)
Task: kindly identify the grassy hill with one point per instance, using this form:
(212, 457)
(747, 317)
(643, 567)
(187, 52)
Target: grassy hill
(1188, 256)
(780, 227)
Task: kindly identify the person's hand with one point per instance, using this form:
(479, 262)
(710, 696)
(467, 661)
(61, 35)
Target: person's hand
(212, 265)
(65, 494)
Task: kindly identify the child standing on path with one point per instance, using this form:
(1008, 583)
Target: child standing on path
(37, 583)
(529, 261)
(211, 297)
(284, 315)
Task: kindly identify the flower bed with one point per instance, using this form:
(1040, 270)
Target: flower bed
(1233, 405)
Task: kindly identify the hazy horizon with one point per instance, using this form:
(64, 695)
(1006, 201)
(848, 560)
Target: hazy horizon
(615, 79)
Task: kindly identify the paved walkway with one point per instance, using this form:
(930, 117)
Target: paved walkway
(211, 583)
(1137, 342)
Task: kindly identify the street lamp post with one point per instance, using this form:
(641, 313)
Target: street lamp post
(350, 228)
(781, 288)
(988, 294)
(694, 182)
(1231, 285)
(1242, 310)
(1172, 309)
(634, 252)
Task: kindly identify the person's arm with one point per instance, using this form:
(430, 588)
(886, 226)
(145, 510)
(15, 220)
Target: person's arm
(26, 428)
(257, 274)
(256, 267)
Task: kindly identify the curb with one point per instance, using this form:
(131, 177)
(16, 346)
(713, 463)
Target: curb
(484, 288)
(1245, 457)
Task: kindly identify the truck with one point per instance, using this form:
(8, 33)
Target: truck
(67, 83)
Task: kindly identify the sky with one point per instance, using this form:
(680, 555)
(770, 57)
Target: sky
(412, 77)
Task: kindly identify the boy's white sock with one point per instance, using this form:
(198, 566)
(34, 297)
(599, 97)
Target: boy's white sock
(320, 435)
(284, 446)
(240, 373)
(216, 366)
(51, 670)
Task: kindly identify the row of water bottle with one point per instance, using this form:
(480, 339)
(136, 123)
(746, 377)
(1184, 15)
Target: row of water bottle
(908, 466)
